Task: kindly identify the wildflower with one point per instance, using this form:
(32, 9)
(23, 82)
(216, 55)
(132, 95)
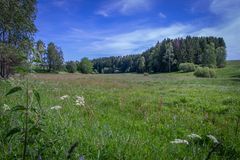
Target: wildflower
(56, 107)
(214, 139)
(64, 97)
(179, 141)
(80, 101)
(6, 107)
(193, 136)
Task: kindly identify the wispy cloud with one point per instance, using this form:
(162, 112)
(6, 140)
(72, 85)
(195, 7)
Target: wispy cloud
(66, 5)
(59, 3)
(132, 42)
(102, 13)
(229, 26)
(124, 7)
(226, 9)
(138, 40)
(161, 15)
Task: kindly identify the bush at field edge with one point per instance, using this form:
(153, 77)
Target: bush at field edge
(205, 72)
(187, 67)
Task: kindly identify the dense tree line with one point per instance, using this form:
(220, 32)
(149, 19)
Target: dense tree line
(16, 33)
(167, 56)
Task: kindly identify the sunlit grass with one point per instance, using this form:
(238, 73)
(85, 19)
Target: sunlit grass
(132, 116)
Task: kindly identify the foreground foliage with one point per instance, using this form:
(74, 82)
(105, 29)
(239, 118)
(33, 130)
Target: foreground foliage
(128, 116)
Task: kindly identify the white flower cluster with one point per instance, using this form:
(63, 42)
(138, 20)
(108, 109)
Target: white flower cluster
(194, 136)
(64, 97)
(80, 101)
(214, 139)
(56, 107)
(179, 141)
(6, 107)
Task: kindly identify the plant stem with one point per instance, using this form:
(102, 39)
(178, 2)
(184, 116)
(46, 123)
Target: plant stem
(26, 124)
(238, 121)
(212, 150)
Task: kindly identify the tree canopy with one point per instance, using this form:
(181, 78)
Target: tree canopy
(17, 29)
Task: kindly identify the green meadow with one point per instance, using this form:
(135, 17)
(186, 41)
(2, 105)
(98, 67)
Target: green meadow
(124, 116)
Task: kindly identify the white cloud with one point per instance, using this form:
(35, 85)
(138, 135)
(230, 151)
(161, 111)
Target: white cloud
(161, 15)
(229, 27)
(135, 41)
(102, 13)
(226, 8)
(124, 7)
(59, 3)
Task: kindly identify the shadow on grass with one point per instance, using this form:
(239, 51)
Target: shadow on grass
(236, 76)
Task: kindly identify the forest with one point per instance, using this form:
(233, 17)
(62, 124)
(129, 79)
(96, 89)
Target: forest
(166, 56)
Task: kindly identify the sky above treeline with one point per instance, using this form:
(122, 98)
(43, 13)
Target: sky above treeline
(102, 28)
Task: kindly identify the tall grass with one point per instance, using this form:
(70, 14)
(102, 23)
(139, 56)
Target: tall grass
(124, 116)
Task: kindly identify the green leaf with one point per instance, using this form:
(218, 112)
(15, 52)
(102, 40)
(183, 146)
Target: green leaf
(13, 90)
(13, 131)
(37, 95)
(18, 108)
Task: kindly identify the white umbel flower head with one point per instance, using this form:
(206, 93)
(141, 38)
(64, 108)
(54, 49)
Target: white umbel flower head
(179, 141)
(64, 97)
(80, 101)
(194, 136)
(214, 139)
(56, 107)
(6, 107)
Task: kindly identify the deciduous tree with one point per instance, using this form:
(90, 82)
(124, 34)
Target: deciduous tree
(16, 33)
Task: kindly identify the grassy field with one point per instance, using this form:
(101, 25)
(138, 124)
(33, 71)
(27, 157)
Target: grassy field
(129, 116)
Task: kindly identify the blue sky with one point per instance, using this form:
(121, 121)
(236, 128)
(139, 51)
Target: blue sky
(100, 28)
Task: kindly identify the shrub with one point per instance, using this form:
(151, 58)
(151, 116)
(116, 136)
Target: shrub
(212, 73)
(187, 67)
(71, 67)
(205, 72)
(85, 66)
